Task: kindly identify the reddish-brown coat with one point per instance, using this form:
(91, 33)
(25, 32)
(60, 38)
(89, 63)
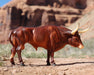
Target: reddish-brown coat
(50, 37)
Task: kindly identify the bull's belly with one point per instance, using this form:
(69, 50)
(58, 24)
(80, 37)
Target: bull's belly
(48, 46)
(43, 45)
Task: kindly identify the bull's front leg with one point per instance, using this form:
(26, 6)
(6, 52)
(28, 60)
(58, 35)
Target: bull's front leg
(52, 59)
(48, 57)
(20, 58)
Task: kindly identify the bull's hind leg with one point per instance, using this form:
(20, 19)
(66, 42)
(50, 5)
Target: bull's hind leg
(20, 57)
(13, 52)
(52, 59)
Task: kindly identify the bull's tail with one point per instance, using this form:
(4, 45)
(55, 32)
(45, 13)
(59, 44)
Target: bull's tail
(10, 36)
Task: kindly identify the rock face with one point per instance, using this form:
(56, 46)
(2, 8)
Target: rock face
(23, 13)
(40, 12)
(75, 3)
(26, 15)
(37, 2)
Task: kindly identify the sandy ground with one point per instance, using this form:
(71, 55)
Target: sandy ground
(65, 66)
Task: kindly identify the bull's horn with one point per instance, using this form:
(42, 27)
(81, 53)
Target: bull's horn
(75, 30)
(82, 31)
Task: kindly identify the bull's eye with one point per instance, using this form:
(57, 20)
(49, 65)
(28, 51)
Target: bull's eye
(76, 39)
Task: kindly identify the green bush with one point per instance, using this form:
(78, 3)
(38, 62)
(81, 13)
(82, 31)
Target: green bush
(1, 63)
(5, 50)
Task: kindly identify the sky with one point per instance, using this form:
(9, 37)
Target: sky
(3, 2)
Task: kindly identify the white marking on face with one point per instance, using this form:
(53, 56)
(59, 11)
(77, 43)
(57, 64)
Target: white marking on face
(80, 46)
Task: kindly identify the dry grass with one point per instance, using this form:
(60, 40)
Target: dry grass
(68, 51)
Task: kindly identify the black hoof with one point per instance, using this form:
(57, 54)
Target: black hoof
(22, 64)
(48, 64)
(12, 63)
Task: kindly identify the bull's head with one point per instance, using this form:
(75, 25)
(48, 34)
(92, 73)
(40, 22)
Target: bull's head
(75, 39)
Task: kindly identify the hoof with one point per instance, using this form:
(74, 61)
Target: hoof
(12, 63)
(22, 64)
(48, 64)
(53, 64)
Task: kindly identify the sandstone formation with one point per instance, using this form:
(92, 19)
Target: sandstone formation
(23, 13)
(75, 3)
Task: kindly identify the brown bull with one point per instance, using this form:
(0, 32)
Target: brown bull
(52, 38)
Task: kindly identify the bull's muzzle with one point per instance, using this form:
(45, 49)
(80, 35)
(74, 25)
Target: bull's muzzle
(80, 46)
